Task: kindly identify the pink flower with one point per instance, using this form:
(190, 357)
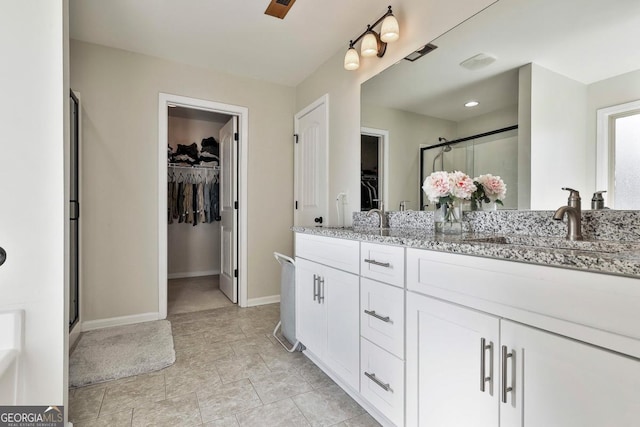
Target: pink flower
(437, 185)
(494, 187)
(462, 186)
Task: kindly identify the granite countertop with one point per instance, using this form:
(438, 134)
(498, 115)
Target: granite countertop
(598, 256)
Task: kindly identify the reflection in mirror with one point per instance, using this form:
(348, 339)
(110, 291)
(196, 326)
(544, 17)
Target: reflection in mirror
(475, 155)
(556, 64)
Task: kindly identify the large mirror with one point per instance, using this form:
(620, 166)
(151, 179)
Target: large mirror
(546, 66)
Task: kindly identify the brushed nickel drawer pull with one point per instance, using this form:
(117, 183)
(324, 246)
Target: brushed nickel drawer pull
(483, 376)
(320, 289)
(377, 316)
(505, 389)
(374, 262)
(315, 286)
(382, 385)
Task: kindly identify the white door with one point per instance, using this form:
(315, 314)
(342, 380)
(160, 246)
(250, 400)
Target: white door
(311, 166)
(564, 383)
(446, 360)
(228, 209)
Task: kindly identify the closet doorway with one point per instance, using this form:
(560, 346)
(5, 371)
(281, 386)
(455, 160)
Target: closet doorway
(201, 178)
(374, 166)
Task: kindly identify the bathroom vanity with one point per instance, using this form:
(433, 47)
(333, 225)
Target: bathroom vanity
(424, 330)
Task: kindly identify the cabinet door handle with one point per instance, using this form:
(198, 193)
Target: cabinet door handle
(505, 389)
(382, 385)
(377, 316)
(320, 290)
(483, 363)
(315, 287)
(374, 262)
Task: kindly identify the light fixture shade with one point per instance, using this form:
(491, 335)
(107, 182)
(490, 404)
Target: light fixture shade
(351, 60)
(390, 30)
(369, 46)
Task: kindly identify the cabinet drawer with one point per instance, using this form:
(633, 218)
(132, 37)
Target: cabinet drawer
(382, 381)
(382, 315)
(338, 253)
(382, 262)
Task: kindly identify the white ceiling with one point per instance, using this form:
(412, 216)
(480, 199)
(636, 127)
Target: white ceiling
(233, 36)
(586, 40)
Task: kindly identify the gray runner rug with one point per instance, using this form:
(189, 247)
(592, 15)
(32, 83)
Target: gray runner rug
(121, 351)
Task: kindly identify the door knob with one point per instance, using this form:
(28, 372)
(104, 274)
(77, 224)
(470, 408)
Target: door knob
(3, 256)
(318, 220)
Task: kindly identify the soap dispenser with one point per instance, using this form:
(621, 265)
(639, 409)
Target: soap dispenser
(597, 201)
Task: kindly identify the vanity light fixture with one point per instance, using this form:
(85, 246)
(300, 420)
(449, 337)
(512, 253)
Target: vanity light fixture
(470, 104)
(373, 44)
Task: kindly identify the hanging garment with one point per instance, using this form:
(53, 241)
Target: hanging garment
(194, 219)
(174, 200)
(188, 203)
(181, 211)
(215, 203)
(201, 217)
(207, 202)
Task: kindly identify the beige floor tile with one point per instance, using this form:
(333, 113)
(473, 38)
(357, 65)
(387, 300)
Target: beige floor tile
(195, 294)
(229, 421)
(180, 382)
(364, 420)
(225, 332)
(327, 406)
(85, 403)
(283, 413)
(280, 360)
(253, 345)
(189, 340)
(139, 392)
(314, 375)
(218, 401)
(280, 385)
(235, 368)
(118, 419)
(178, 411)
(205, 355)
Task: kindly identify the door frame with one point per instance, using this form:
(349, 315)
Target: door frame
(164, 99)
(605, 167)
(383, 151)
(324, 99)
(74, 333)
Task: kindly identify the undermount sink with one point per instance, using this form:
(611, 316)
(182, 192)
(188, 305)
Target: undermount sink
(555, 243)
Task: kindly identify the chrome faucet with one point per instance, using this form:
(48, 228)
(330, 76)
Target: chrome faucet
(574, 215)
(380, 212)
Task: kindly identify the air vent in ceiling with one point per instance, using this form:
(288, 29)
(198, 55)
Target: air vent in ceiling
(279, 8)
(413, 56)
(478, 61)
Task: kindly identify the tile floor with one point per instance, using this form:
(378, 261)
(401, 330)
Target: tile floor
(195, 294)
(229, 371)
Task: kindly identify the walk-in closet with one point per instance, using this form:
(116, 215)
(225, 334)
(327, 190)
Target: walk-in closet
(194, 237)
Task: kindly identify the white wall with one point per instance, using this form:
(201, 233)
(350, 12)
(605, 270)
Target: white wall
(558, 134)
(120, 142)
(192, 250)
(421, 21)
(34, 122)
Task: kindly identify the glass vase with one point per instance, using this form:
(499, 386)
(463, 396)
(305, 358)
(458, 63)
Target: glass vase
(448, 219)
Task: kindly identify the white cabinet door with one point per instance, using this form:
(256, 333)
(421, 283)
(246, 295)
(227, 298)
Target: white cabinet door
(444, 365)
(311, 327)
(566, 383)
(339, 293)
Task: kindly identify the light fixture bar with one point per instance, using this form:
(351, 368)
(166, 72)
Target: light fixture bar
(373, 44)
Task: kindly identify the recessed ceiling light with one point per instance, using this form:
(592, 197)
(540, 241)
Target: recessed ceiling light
(471, 104)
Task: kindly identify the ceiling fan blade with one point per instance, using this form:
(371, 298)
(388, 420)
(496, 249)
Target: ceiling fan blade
(279, 8)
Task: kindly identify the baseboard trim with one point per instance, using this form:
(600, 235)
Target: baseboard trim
(91, 325)
(193, 274)
(272, 299)
(74, 334)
